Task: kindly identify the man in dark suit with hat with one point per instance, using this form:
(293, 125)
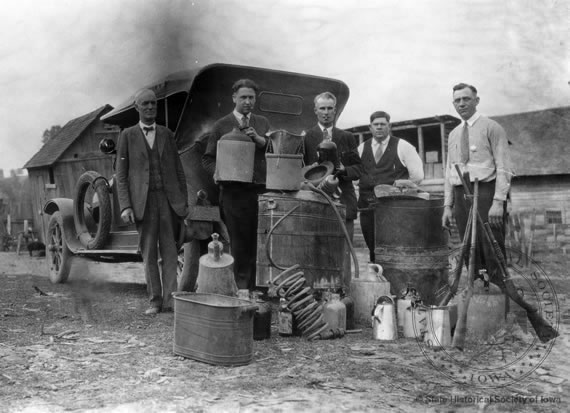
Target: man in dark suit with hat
(153, 195)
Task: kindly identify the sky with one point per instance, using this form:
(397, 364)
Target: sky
(61, 59)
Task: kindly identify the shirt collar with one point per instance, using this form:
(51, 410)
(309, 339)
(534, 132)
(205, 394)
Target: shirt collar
(473, 118)
(375, 143)
(239, 116)
(142, 125)
(329, 128)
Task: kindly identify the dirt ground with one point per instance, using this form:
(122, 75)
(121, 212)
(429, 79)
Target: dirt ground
(86, 346)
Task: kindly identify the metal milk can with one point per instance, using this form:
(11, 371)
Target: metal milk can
(234, 157)
(365, 292)
(384, 319)
(215, 272)
(438, 329)
(411, 316)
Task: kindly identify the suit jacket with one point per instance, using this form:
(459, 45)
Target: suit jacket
(225, 125)
(133, 170)
(348, 154)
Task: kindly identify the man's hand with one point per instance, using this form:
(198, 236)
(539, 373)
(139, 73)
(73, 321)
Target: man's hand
(128, 216)
(446, 218)
(258, 140)
(496, 213)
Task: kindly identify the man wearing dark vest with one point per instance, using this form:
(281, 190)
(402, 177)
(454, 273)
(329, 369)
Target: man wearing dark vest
(153, 195)
(238, 200)
(385, 159)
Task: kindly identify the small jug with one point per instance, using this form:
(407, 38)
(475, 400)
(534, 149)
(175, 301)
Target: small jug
(384, 319)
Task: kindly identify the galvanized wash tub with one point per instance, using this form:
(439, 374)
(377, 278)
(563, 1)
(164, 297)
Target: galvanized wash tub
(213, 328)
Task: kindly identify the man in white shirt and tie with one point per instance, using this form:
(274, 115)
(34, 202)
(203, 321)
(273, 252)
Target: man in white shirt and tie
(479, 146)
(385, 159)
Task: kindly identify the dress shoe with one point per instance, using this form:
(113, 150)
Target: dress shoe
(152, 310)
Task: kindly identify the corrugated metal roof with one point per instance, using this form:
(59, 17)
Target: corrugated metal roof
(539, 141)
(56, 146)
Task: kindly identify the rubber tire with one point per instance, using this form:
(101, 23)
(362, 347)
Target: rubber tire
(58, 254)
(101, 186)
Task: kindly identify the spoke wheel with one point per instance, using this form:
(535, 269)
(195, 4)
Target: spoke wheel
(58, 255)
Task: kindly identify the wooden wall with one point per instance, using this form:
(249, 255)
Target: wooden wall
(58, 180)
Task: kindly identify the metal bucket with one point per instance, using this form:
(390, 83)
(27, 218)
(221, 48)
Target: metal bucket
(411, 245)
(300, 228)
(213, 328)
(284, 172)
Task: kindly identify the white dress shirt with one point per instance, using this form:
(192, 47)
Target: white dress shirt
(150, 135)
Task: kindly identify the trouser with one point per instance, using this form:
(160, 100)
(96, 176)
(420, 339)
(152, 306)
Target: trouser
(484, 253)
(239, 206)
(349, 223)
(157, 233)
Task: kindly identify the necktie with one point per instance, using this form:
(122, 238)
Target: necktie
(244, 122)
(379, 152)
(147, 130)
(326, 136)
(464, 145)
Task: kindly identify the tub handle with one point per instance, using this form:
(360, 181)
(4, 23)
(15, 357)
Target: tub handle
(248, 308)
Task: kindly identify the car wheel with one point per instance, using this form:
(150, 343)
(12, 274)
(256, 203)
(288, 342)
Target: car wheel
(58, 254)
(92, 222)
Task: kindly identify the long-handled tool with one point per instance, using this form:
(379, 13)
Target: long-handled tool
(461, 328)
(543, 329)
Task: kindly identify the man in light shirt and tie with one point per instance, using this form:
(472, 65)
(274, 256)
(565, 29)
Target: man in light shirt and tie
(152, 194)
(385, 159)
(479, 146)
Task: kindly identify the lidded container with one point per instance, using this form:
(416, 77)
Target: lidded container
(234, 157)
(334, 312)
(215, 271)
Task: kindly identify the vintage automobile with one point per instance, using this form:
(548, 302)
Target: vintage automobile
(189, 102)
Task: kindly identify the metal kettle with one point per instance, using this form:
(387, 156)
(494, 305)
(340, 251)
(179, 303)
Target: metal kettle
(215, 272)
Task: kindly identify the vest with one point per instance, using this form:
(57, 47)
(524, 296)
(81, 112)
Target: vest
(155, 177)
(388, 169)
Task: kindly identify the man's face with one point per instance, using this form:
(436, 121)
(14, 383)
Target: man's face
(244, 99)
(380, 128)
(146, 107)
(465, 102)
(325, 110)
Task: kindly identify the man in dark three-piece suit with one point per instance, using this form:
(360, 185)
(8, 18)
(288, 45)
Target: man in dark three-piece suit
(238, 200)
(153, 195)
(350, 167)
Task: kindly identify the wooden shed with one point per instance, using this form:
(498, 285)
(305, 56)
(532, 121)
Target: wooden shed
(54, 170)
(540, 188)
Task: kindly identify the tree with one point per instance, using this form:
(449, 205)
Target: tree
(50, 133)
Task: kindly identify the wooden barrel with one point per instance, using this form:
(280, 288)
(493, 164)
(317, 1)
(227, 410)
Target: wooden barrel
(411, 245)
(309, 234)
